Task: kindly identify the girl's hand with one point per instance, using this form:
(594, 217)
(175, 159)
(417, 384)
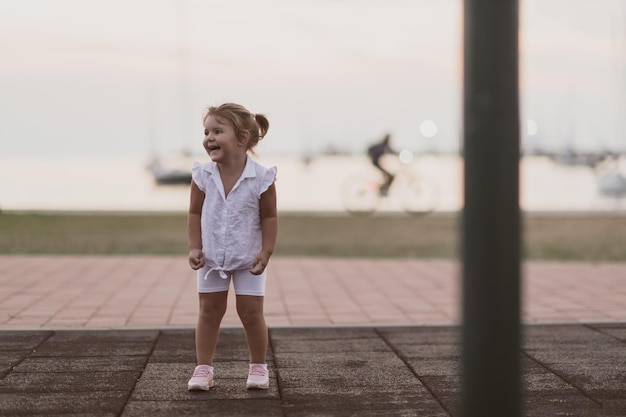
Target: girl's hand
(260, 262)
(196, 259)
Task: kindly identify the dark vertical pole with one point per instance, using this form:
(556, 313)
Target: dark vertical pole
(491, 216)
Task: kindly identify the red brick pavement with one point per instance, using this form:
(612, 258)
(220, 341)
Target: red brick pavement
(159, 291)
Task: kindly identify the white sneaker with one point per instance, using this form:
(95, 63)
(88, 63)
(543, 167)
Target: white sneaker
(202, 378)
(258, 377)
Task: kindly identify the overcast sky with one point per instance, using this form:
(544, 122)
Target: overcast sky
(134, 76)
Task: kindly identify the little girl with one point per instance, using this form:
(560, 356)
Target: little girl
(232, 228)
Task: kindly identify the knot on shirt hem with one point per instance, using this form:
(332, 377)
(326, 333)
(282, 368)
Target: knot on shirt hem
(223, 274)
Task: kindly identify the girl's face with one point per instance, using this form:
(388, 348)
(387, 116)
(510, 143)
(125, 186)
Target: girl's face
(220, 141)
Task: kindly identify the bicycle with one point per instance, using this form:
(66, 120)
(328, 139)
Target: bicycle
(415, 193)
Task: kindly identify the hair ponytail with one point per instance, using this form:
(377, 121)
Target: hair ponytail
(263, 125)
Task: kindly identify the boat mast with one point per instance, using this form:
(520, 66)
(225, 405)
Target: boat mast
(184, 75)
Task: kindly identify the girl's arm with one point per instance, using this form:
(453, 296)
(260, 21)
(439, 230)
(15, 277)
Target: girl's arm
(194, 229)
(269, 229)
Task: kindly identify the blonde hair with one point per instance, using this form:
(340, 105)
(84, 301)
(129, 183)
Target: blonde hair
(242, 120)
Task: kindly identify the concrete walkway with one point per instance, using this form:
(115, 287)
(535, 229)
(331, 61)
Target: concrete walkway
(113, 336)
(569, 370)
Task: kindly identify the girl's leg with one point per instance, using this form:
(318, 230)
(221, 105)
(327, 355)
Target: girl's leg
(250, 310)
(211, 311)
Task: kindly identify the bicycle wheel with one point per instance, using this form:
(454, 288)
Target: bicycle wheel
(421, 197)
(360, 196)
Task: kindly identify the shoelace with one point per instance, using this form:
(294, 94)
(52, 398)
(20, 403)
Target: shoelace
(201, 373)
(257, 370)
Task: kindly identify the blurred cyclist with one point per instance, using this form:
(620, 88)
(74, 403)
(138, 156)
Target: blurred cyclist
(375, 152)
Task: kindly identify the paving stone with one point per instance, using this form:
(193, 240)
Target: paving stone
(359, 360)
(182, 372)
(440, 335)
(435, 367)
(68, 382)
(546, 354)
(330, 378)
(181, 354)
(565, 335)
(330, 345)
(323, 372)
(71, 414)
(225, 389)
(86, 364)
(92, 348)
(341, 409)
(560, 405)
(614, 407)
(322, 333)
(168, 371)
(175, 346)
(357, 403)
(547, 384)
(9, 359)
(616, 330)
(428, 351)
(446, 389)
(105, 336)
(22, 340)
(208, 405)
(27, 403)
(530, 366)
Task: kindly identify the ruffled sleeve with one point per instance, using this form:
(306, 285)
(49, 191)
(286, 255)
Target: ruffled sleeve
(268, 179)
(198, 175)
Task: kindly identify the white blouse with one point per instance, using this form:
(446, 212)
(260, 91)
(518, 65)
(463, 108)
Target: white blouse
(231, 226)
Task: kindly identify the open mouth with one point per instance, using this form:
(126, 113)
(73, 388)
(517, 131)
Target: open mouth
(212, 148)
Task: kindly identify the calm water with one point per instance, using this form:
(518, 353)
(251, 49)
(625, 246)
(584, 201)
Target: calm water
(124, 183)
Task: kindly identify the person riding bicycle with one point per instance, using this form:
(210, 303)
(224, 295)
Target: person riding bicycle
(376, 152)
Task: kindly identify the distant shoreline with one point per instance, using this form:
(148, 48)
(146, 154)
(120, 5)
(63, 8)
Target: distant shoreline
(312, 213)
(125, 185)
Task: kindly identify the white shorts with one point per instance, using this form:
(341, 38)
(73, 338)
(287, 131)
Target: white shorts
(244, 282)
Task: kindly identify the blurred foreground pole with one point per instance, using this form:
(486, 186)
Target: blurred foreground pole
(491, 380)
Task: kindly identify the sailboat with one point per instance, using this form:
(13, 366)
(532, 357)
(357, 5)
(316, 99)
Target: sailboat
(612, 182)
(171, 171)
(176, 169)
